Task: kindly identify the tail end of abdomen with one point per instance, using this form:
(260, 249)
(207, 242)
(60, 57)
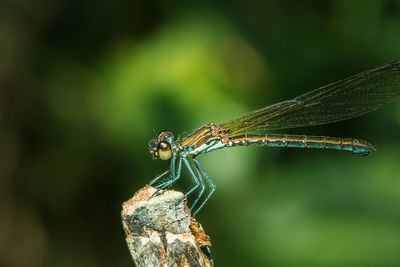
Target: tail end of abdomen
(359, 147)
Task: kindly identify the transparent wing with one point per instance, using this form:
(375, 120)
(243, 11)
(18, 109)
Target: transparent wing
(342, 100)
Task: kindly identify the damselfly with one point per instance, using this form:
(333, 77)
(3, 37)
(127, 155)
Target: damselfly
(342, 100)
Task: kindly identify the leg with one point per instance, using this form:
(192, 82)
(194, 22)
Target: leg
(197, 180)
(203, 187)
(158, 177)
(174, 176)
(211, 182)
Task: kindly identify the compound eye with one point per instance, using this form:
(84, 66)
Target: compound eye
(166, 136)
(164, 150)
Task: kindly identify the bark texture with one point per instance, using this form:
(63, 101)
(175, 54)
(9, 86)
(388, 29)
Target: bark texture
(160, 231)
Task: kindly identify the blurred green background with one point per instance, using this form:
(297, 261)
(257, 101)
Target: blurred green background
(85, 84)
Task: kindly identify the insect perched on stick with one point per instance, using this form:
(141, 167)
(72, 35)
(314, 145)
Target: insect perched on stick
(342, 100)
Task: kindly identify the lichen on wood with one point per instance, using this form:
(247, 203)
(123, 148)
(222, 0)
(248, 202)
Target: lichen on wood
(161, 232)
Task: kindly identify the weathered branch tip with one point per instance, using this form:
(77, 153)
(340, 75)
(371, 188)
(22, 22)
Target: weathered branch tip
(161, 232)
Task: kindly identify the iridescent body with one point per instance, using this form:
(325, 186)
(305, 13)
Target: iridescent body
(345, 99)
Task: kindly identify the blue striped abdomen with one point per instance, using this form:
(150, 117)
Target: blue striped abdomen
(355, 146)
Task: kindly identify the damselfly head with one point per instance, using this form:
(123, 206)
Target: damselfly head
(161, 147)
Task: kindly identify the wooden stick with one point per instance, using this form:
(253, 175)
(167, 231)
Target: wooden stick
(160, 231)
